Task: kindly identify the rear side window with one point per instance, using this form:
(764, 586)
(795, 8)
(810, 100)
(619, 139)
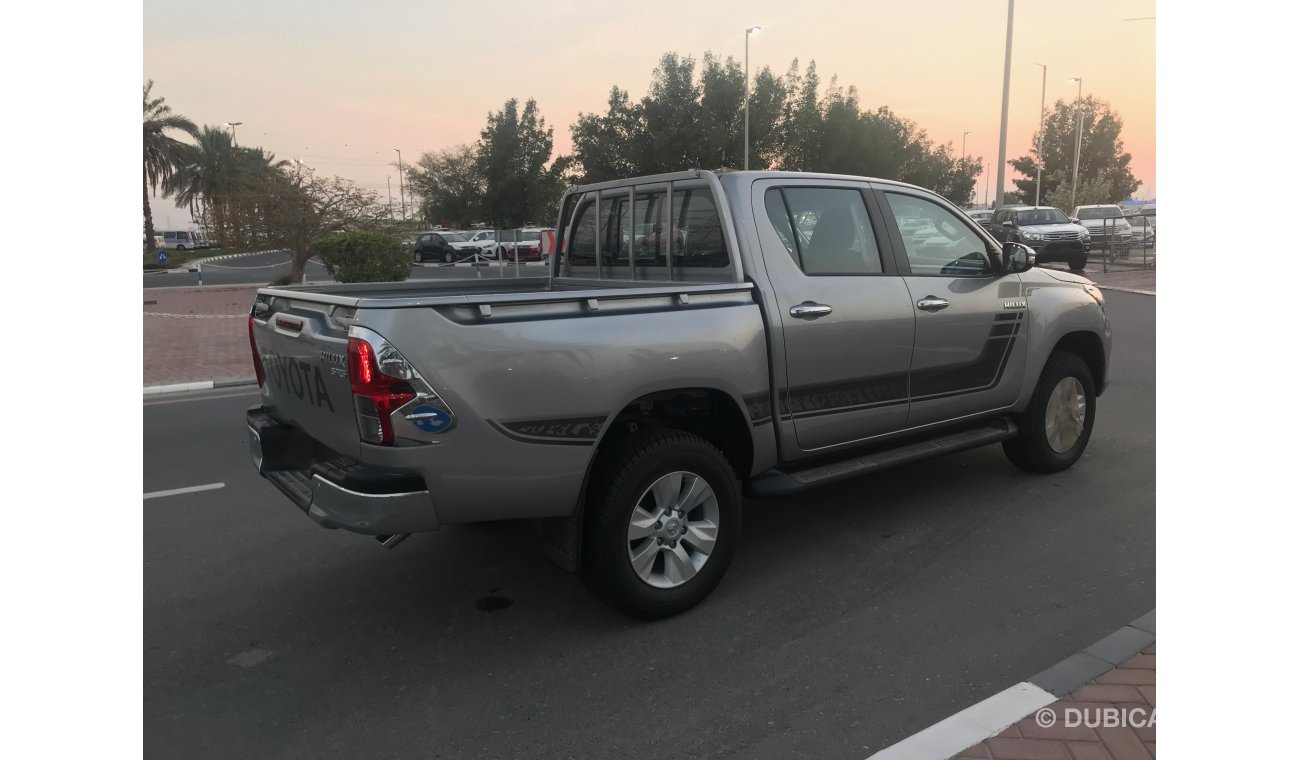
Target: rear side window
(826, 230)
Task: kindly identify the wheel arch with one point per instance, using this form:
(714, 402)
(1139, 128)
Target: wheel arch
(1087, 346)
(711, 413)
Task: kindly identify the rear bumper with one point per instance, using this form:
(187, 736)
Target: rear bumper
(335, 491)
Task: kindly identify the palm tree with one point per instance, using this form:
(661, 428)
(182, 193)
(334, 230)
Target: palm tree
(224, 182)
(162, 152)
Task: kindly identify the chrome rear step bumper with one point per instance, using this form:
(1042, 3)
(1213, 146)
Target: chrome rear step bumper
(337, 492)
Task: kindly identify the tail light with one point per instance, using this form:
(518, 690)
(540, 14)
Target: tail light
(375, 395)
(257, 358)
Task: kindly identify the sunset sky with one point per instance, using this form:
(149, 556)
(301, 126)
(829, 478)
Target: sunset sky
(340, 85)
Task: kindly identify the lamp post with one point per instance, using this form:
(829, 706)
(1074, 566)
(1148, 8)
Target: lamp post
(232, 125)
(1042, 105)
(748, 32)
(390, 196)
(1078, 141)
(963, 144)
(1006, 95)
(401, 182)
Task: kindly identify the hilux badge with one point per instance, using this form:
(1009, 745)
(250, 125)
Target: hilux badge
(1015, 303)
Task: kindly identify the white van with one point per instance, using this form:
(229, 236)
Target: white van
(179, 240)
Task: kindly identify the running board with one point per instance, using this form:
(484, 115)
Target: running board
(779, 483)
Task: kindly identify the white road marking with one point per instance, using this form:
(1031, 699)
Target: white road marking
(157, 402)
(188, 489)
(970, 726)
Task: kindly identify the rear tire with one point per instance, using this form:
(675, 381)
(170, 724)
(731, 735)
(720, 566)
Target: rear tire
(1052, 436)
(625, 518)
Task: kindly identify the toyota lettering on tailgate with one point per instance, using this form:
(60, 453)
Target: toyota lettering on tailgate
(298, 377)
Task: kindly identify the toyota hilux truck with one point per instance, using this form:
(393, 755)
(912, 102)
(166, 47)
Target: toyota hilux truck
(629, 397)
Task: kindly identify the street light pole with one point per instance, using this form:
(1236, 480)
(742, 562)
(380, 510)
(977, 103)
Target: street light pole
(1078, 141)
(1006, 101)
(390, 196)
(963, 144)
(232, 125)
(401, 182)
(1042, 106)
(748, 32)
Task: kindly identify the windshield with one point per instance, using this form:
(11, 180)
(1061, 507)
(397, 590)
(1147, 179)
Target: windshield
(452, 237)
(1041, 216)
(1100, 212)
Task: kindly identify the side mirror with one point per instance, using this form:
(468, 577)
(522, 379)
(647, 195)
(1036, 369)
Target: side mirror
(1074, 220)
(1007, 225)
(1017, 258)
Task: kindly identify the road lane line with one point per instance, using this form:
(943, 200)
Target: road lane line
(189, 489)
(165, 400)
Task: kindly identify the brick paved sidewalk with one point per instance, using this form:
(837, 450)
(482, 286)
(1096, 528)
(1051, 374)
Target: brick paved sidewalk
(196, 334)
(1123, 692)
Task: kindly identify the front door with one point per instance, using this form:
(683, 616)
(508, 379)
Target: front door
(971, 322)
(845, 315)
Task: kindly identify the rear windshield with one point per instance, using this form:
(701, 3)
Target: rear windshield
(1041, 216)
(1100, 212)
(640, 235)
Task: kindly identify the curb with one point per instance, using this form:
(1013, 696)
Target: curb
(986, 719)
(203, 385)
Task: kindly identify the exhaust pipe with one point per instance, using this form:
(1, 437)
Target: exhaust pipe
(389, 542)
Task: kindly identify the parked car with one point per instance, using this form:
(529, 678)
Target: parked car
(1107, 226)
(1052, 235)
(982, 215)
(534, 244)
(447, 247)
(630, 409)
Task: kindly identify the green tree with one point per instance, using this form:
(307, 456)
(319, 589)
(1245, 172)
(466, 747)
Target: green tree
(163, 153)
(223, 185)
(602, 143)
(670, 113)
(1103, 162)
(512, 158)
(449, 184)
(802, 125)
(767, 98)
(721, 114)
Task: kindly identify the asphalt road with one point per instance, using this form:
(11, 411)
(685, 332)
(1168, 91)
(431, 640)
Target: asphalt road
(851, 617)
(260, 269)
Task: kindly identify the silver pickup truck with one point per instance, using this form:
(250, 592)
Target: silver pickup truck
(787, 337)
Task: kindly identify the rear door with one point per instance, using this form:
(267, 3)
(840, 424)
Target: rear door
(845, 315)
(971, 322)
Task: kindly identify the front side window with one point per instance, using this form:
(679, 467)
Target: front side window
(945, 245)
(826, 230)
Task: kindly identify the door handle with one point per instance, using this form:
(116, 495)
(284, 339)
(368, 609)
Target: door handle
(810, 310)
(931, 303)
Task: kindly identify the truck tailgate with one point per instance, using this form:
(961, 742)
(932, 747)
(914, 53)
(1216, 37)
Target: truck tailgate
(304, 352)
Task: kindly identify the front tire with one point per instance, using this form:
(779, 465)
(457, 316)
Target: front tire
(1078, 262)
(419, 257)
(1055, 429)
(447, 257)
(662, 521)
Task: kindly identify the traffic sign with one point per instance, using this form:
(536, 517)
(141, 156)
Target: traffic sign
(162, 257)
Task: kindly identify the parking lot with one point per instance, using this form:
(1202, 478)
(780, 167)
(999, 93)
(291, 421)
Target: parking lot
(853, 616)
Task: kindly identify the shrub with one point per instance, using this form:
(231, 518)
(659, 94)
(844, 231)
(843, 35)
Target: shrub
(363, 256)
(284, 279)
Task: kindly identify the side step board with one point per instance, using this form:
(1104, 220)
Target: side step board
(779, 483)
